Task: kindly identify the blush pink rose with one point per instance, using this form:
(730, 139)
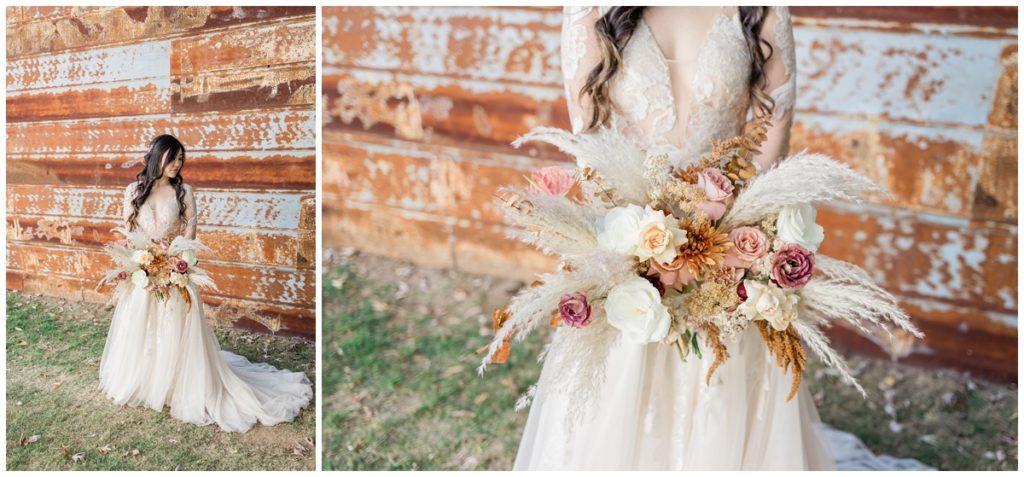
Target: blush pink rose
(750, 244)
(672, 275)
(718, 190)
(122, 276)
(553, 180)
(792, 266)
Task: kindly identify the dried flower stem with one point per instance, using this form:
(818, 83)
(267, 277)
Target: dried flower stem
(789, 353)
(714, 338)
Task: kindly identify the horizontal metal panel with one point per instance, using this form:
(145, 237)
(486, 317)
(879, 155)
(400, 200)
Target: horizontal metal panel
(226, 208)
(92, 27)
(282, 285)
(203, 169)
(497, 44)
(229, 244)
(244, 130)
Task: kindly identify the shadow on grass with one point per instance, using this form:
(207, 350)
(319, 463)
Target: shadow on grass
(401, 392)
(57, 419)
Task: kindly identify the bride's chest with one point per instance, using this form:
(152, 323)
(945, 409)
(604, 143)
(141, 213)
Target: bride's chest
(160, 208)
(710, 76)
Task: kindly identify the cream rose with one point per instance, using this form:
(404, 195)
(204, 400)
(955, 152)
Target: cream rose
(142, 257)
(140, 279)
(634, 307)
(619, 230)
(660, 237)
(769, 302)
(796, 225)
(179, 279)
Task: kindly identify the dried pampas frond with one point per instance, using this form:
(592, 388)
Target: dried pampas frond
(819, 344)
(593, 274)
(553, 223)
(575, 364)
(845, 292)
(618, 161)
(800, 178)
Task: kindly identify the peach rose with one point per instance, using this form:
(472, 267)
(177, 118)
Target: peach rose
(672, 275)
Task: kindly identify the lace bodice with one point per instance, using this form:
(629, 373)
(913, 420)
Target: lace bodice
(158, 217)
(683, 78)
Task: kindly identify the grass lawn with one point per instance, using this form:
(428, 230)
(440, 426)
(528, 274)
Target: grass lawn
(57, 419)
(401, 392)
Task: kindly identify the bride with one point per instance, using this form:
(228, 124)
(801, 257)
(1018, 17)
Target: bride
(673, 79)
(163, 352)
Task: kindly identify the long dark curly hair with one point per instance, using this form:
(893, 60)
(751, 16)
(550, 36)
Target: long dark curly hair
(614, 30)
(153, 169)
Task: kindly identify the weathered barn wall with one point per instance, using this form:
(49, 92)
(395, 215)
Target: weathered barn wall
(88, 87)
(421, 104)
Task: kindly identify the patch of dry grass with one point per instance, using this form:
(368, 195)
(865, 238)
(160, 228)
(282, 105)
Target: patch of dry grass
(57, 419)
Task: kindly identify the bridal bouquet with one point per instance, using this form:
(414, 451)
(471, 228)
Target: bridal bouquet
(688, 256)
(155, 265)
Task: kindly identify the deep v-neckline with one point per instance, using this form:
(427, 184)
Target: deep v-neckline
(664, 62)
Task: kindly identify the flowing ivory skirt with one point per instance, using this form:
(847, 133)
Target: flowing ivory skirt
(654, 412)
(164, 353)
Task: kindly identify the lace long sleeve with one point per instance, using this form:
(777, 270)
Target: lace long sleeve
(191, 216)
(580, 54)
(780, 71)
(126, 204)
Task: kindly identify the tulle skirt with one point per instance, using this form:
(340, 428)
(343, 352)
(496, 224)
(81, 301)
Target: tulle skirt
(655, 412)
(164, 353)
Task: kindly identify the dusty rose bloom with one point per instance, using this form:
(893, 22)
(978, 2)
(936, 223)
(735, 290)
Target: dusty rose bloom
(554, 180)
(575, 309)
(792, 266)
(750, 244)
(672, 275)
(122, 276)
(179, 265)
(718, 190)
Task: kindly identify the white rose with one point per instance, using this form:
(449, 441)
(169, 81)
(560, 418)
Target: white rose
(796, 225)
(179, 279)
(619, 230)
(140, 279)
(142, 257)
(660, 237)
(769, 302)
(634, 307)
(189, 256)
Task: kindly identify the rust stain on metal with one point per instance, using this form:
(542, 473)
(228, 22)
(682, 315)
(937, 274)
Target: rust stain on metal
(393, 104)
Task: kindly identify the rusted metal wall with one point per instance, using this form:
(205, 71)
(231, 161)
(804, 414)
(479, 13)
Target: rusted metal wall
(421, 104)
(88, 87)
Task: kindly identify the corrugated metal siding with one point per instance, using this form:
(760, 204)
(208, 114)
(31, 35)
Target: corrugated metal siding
(87, 87)
(421, 104)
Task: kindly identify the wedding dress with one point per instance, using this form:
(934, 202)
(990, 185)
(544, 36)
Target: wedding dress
(654, 410)
(165, 353)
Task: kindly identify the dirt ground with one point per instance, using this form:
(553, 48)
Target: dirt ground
(400, 390)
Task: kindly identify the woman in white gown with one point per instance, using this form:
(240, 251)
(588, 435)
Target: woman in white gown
(164, 352)
(673, 78)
